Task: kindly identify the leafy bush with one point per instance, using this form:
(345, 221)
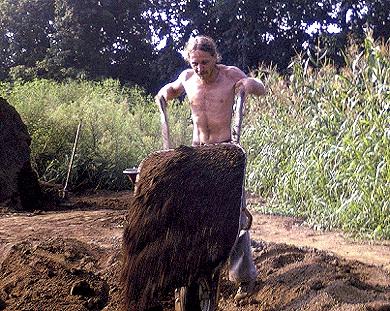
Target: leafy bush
(120, 126)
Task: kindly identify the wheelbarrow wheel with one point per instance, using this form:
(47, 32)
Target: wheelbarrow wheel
(201, 295)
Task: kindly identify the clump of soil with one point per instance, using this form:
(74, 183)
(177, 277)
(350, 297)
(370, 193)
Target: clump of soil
(56, 272)
(292, 278)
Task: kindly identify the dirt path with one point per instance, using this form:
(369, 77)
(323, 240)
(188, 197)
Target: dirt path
(69, 260)
(102, 227)
(288, 230)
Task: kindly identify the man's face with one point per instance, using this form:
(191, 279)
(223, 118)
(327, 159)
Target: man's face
(203, 63)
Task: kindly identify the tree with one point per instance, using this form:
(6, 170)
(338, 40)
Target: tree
(117, 38)
(71, 39)
(102, 38)
(132, 55)
(76, 43)
(250, 32)
(169, 64)
(25, 30)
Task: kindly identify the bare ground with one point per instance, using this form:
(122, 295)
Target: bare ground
(69, 259)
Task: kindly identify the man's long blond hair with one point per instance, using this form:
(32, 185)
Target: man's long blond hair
(202, 43)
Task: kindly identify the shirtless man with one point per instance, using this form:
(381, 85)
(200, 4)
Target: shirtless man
(211, 88)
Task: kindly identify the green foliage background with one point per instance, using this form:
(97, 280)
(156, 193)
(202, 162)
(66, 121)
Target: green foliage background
(317, 143)
(61, 39)
(120, 126)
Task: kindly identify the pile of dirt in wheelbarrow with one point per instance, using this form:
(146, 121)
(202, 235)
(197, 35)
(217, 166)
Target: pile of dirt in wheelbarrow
(183, 220)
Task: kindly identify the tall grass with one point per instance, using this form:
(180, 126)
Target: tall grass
(319, 146)
(120, 126)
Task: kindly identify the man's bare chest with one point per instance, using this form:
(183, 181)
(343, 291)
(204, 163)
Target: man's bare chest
(204, 95)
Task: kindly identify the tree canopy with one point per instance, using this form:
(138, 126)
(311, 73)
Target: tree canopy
(118, 38)
(69, 38)
(249, 32)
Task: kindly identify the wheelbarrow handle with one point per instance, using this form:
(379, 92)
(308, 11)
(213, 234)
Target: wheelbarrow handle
(239, 113)
(162, 105)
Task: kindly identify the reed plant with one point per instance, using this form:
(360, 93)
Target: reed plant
(318, 144)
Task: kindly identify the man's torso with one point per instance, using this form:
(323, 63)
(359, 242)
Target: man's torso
(211, 105)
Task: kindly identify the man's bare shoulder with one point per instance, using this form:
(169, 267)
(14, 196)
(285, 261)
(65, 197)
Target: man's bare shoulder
(232, 72)
(186, 75)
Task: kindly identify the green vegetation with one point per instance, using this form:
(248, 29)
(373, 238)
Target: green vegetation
(320, 147)
(317, 144)
(64, 39)
(120, 126)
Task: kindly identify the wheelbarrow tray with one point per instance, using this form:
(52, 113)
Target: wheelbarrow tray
(183, 220)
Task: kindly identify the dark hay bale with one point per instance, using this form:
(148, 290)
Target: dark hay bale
(183, 220)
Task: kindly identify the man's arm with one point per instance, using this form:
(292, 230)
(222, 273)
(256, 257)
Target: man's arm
(173, 89)
(243, 87)
(166, 93)
(251, 86)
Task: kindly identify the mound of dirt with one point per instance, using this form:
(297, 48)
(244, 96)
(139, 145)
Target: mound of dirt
(61, 273)
(71, 260)
(19, 186)
(293, 278)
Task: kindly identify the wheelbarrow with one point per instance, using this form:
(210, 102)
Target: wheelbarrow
(182, 224)
(132, 174)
